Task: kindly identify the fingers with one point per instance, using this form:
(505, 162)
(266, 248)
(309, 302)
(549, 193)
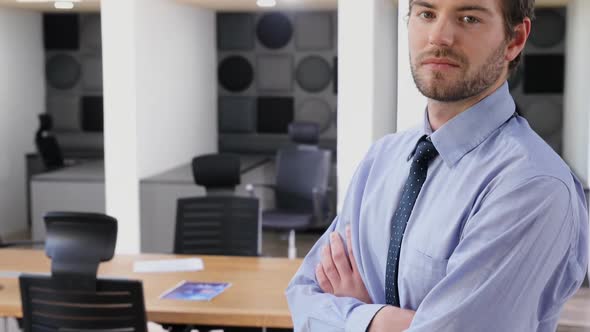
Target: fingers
(339, 255)
(322, 279)
(328, 265)
(349, 247)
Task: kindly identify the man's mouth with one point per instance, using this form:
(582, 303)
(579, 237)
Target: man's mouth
(440, 63)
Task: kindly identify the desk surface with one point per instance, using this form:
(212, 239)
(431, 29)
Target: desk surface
(85, 171)
(183, 174)
(256, 297)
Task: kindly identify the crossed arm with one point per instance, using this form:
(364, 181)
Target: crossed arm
(338, 274)
(502, 275)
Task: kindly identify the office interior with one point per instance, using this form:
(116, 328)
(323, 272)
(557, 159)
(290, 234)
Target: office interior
(136, 89)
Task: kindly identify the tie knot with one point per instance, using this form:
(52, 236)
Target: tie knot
(425, 152)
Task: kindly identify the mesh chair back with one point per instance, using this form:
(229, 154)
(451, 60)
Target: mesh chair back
(50, 306)
(299, 171)
(216, 225)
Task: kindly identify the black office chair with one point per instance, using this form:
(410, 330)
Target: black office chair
(47, 145)
(303, 199)
(220, 223)
(72, 298)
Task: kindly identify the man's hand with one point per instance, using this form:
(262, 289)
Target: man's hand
(338, 273)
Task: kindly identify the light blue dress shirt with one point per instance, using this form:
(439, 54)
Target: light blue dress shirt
(497, 239)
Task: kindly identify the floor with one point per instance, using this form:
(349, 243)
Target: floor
(276, 244)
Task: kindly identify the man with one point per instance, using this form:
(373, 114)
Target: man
(493, 223)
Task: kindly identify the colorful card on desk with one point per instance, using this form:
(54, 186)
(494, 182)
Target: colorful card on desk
(195, 291)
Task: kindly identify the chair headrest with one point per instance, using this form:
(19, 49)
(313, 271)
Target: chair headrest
(45, 122)
(69, 232)
(304, 132)
(216, 171)
(76, 243)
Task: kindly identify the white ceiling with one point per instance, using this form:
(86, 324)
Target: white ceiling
(222, 5)
(83, 6)
(250, 5)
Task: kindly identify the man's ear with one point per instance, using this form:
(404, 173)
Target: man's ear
(518, 42)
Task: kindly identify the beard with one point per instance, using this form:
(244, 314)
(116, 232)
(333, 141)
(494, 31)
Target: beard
(467, 84)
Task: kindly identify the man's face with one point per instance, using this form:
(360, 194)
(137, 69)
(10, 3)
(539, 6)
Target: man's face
(457, 47)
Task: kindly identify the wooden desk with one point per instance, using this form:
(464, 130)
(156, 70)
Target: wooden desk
(256, 297)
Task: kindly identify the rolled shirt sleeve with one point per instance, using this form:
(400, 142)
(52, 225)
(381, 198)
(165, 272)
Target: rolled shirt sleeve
(516, 263)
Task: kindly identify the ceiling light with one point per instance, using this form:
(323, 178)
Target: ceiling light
(63, 5)
(266, 3)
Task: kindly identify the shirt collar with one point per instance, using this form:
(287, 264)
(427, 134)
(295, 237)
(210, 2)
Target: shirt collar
(470, 128)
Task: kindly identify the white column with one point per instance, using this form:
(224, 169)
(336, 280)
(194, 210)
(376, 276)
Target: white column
(576, 142)
(410, 103)
(367, 59)
(22, 97)
(159, 96)
(576, 122)
(177, 84)
(120, 120)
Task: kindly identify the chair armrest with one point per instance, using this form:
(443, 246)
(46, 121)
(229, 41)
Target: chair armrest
(324, 204)
(331, 203)
(319, 196)
(251, 186)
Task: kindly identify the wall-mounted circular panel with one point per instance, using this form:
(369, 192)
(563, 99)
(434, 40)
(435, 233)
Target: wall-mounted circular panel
(235, 73)
(315, 110)
(274, 30)
(62, 71)
(313, 74)
(549, 28)
(544, 116)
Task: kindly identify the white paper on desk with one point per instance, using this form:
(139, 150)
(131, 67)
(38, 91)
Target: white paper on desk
(169, 265)
(10, 274)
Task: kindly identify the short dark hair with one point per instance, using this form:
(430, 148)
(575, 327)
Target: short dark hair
(514, 12)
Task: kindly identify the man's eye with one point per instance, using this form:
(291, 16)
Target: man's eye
(426, 15)
(469, 20)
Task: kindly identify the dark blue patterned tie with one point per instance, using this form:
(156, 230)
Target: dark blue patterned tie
(425, 152)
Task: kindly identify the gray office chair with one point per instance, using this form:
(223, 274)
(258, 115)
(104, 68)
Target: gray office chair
(72, 298)
(303, 199)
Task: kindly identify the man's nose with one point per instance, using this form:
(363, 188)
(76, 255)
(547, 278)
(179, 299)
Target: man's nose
(442, 33)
